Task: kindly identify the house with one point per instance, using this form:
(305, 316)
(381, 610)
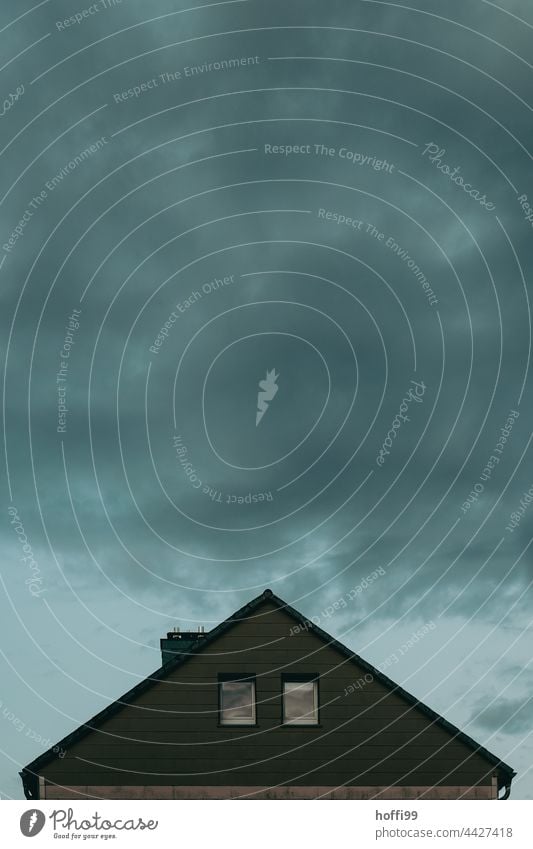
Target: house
(266, 705)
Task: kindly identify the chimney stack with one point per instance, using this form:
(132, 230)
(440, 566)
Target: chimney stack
(179, 642)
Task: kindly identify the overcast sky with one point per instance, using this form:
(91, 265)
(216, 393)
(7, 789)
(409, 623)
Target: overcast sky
(333, 193)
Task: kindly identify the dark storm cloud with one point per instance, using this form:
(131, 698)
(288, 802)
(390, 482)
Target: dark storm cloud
(510, 716)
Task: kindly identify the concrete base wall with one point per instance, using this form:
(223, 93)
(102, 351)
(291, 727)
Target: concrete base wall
(172, 792)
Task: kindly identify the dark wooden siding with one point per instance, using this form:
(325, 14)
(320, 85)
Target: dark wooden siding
(170, 734)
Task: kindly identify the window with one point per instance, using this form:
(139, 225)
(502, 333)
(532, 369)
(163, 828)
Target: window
(236, 699)
(300, 699)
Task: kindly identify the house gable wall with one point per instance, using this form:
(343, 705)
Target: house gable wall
(169, 735)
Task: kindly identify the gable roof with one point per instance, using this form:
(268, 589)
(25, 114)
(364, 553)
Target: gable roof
(30, 773)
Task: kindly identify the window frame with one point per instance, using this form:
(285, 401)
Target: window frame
(226, 677)
(301, 678)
